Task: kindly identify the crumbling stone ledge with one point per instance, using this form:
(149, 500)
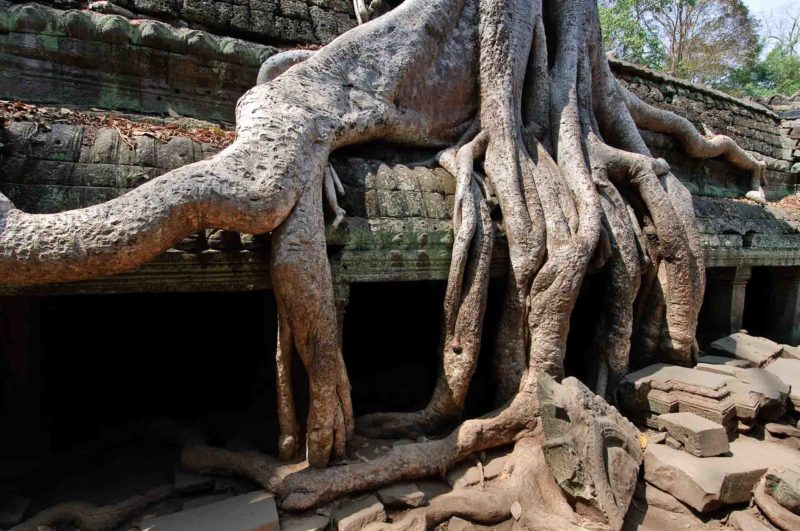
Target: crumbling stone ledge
(268, 21)
(93, 60)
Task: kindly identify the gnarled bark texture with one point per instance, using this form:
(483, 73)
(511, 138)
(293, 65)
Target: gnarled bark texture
(519, 97)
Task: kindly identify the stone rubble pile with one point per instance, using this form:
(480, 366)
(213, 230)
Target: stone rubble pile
(722, 444)
(724, 432)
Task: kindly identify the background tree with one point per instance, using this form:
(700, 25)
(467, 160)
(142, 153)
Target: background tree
(626, 34)
(784, 30)
(778, 70)
(519, 101)
(701, 40)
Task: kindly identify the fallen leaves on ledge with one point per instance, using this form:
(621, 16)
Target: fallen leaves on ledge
(790, 202)
(128, 126)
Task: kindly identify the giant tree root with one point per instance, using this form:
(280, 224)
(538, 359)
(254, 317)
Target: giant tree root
(88, 517)
(567, 441)
(779, 515)
(542, 122)
(529, 483)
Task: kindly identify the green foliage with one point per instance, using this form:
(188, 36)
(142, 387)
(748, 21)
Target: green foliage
(777, 73)
(700, 40)
(626, 35)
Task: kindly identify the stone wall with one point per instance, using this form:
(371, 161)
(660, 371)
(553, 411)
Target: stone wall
(266, 21)
(54, 57)
(397, 226)
(65, 166)
(755, 127)
(86, 60)
(398, 219)
(789, 110)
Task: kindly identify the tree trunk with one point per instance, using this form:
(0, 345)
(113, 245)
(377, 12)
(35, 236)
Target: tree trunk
(523, 87)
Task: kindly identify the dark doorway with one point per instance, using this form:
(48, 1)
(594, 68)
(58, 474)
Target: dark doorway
(758, 305)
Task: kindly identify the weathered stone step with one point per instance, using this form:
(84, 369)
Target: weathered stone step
(708, 483)
(700, 437)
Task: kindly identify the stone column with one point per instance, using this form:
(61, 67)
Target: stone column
(20, 371)
(783, 323)
(341, 298)
(723, 304)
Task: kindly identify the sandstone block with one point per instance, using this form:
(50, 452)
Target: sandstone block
(655, 497)
(783, 484)
(708, 483)
(673, 443)
(355, 515)
(311, 523)
(757, 350)
(721, 364)
(788, 371)
(793, 353)
(705, 484)
(782, 430)
(402, 495)
(661, 388)
(248, 512)
(758, 393)
(699, 436)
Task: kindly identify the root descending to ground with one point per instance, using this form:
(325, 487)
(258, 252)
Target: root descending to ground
(519, 96)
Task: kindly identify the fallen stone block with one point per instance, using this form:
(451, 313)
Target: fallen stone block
(655, 497)
(254, 511)
(783, 484)
(699, 436)
(776, 513)
(705, 484)
(309, 523)
(402, 495)
(709, 482)
(782, 430)
(746, 521)
(758, 394)
(721, 364)
(673, 443)
(355, 515)
(645, 394)
(701, 487)
(788, 371)
(757, 350)
(790, 352)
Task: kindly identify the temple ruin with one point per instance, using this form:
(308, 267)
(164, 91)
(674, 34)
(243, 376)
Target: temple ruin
(104, 381)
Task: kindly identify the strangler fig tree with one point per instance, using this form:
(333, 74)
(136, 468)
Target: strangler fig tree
(518, 97)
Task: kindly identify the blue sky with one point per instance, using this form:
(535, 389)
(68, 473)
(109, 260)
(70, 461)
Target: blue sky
(759, 7)
(770, 11)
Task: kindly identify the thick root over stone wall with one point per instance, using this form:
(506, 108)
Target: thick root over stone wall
(519, 96)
